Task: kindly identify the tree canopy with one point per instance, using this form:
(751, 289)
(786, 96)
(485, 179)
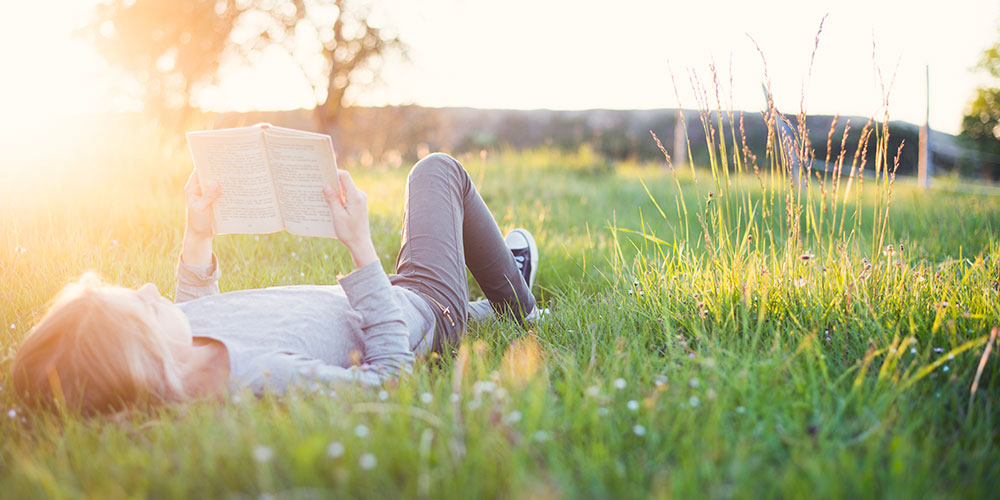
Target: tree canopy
(173, 49)
(981, 123)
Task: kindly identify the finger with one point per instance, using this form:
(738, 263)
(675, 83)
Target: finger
(191, 187)
(333, 198)
(212, 191)
(347, 184)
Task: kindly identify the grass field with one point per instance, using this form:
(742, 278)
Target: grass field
(701, 343)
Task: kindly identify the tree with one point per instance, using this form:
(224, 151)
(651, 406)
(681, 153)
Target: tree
(168, 47)
(174, 48)
(981, 123)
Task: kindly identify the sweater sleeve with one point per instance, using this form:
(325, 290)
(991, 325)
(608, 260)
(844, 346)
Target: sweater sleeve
(197, 281)
(387, 353)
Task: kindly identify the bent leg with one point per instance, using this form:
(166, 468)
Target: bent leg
(446, 227)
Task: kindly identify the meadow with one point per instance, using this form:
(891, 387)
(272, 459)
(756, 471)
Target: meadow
(713, 333)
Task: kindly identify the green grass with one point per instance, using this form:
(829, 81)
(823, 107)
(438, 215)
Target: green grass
(753, 373)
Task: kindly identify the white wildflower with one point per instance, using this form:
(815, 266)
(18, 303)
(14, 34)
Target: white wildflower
(741, 410)
(633, 405)
(263, 454)
(639, 430)
(541, 435)
(367, 461)
(12, 413)
(361, 431)
(620, 383)
(694, 383)
(335, 450)
(694, 401)
(593, 391)
(426, 398)
(483, 386)
(513, 417)
(383, 395)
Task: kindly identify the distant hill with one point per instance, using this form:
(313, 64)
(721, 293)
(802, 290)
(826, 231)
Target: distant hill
(401, 134)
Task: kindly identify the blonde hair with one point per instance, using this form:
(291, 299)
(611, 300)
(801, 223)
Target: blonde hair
(95, 351)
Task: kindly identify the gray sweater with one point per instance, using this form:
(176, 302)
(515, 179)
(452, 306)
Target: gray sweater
(297, 335)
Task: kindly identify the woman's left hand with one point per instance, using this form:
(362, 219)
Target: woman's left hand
(199, 207)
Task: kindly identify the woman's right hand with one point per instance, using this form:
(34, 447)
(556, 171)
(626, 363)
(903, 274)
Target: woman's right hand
(350, 219)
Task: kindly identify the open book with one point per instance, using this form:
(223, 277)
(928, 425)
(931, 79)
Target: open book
(271, 178)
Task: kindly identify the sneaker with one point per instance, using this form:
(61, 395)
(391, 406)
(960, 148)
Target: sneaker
(522, 245)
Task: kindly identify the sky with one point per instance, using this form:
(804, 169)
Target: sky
(571, 54)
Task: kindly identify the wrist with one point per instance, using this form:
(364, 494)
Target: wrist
(196, 249)
(363, 253)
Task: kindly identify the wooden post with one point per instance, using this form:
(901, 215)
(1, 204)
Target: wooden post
(925, 163)
(680, 142)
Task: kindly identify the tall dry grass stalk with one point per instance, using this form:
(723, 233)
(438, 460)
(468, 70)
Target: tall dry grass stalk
(794, 203)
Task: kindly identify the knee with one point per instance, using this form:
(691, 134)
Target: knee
(437, 165)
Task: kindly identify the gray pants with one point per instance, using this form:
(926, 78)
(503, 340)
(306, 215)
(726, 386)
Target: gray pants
(446, 228)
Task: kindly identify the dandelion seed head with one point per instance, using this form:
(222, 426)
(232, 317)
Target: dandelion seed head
(302, 275)
(541, 435)
(367, 461)
(426, 398)
(945, 368)
(335, 450)
(694, 401)
(620, 383)
(13, 326)
(633, 405)
(361, 431)
(262, 454)
(694, 383)
(383, 395)
(513, 417)
(12, 413)
(638, 430)
(913, 350)
(293, 254)
(593, 391)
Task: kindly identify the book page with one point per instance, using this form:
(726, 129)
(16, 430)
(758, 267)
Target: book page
(301, 165)
(238, 163)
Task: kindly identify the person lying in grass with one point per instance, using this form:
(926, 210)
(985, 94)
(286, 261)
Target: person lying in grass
(102, 348)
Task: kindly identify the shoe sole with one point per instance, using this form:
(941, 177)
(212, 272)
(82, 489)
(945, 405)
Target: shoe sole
(533, 249)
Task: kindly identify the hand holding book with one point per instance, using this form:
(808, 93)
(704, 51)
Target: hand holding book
(350, 219)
